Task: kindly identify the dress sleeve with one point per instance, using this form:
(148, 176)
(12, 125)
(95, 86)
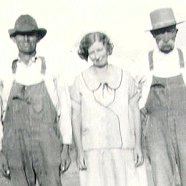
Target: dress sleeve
(75, 93)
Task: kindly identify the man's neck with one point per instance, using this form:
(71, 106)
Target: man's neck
(25, 58)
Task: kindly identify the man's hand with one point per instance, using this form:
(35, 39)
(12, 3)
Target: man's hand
(140, 81)
(65, 158)
(4, 169)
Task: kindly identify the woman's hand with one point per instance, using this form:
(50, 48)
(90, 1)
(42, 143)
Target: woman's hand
(138, 156)
(65, 158)
(81, 161)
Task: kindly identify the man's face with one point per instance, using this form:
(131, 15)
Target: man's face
(26, 42)
(165, 38)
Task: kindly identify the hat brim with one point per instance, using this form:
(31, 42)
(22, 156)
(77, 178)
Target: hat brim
(164, 26)
(40, 31)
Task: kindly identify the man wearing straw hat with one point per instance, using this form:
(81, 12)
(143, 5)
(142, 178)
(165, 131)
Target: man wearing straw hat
(37, 114)
(164, 101)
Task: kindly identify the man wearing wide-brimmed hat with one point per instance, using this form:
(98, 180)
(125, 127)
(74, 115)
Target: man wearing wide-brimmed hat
(37, 123)
(162, 78)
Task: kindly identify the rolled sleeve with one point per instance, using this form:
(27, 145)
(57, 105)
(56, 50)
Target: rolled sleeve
(65, 116)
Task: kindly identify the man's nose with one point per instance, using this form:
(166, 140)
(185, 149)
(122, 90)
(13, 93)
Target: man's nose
(26, 37)
(96, 56)
(166, 37)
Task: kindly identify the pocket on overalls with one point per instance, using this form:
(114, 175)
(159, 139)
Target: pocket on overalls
(157, 95)
(37, 104)
(17, 105)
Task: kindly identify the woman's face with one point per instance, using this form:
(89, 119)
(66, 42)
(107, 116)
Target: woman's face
(98, 54)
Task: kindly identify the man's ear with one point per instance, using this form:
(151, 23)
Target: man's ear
(38, 39)
(152, 33)
(13, 39)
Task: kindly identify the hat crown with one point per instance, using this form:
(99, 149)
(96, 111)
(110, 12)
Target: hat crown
(25, 23)
(162, 18)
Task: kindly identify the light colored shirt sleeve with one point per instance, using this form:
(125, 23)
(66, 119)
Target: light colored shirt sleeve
(59, 92)
(132, 89)
(65, 110)
(143, 76)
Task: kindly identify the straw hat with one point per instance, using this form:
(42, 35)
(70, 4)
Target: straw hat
(162, 18)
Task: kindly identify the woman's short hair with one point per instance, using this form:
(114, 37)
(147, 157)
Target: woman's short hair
(91, 38)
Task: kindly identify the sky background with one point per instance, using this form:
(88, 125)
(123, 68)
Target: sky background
(67, 21)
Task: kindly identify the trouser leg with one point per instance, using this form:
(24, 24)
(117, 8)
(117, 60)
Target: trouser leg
(49, 176)
(46, 166)
(18, 178)
(160, 151)
(181, 148)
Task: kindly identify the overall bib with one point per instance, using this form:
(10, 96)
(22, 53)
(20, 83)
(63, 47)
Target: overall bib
(31, 140)
(166, 127)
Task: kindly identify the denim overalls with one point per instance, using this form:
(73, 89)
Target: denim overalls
(31, 140)
(166, 127)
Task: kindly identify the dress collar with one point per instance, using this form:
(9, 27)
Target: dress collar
(113, 80)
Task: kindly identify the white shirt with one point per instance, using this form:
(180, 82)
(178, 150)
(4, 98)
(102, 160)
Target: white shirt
(164, 65)
(31, 74)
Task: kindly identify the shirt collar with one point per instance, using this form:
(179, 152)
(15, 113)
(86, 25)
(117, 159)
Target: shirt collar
(32, 60)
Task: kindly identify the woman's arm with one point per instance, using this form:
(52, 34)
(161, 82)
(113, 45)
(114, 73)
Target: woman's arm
(77, 135)
(64, 108)
(135, 113)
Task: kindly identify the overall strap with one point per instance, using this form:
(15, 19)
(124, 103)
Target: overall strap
(43, 65)
(14, 66)
(181, 59)
(150, 57)
(180, 54)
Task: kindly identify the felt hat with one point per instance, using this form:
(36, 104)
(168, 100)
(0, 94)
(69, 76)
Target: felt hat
(26, 24)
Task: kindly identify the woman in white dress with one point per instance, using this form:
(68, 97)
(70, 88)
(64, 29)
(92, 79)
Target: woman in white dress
(106, 120)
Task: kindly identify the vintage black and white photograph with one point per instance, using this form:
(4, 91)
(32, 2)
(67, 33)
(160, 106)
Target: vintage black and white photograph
(93, 93)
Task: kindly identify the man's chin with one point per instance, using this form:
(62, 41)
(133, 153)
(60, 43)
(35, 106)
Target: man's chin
(166, 50)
